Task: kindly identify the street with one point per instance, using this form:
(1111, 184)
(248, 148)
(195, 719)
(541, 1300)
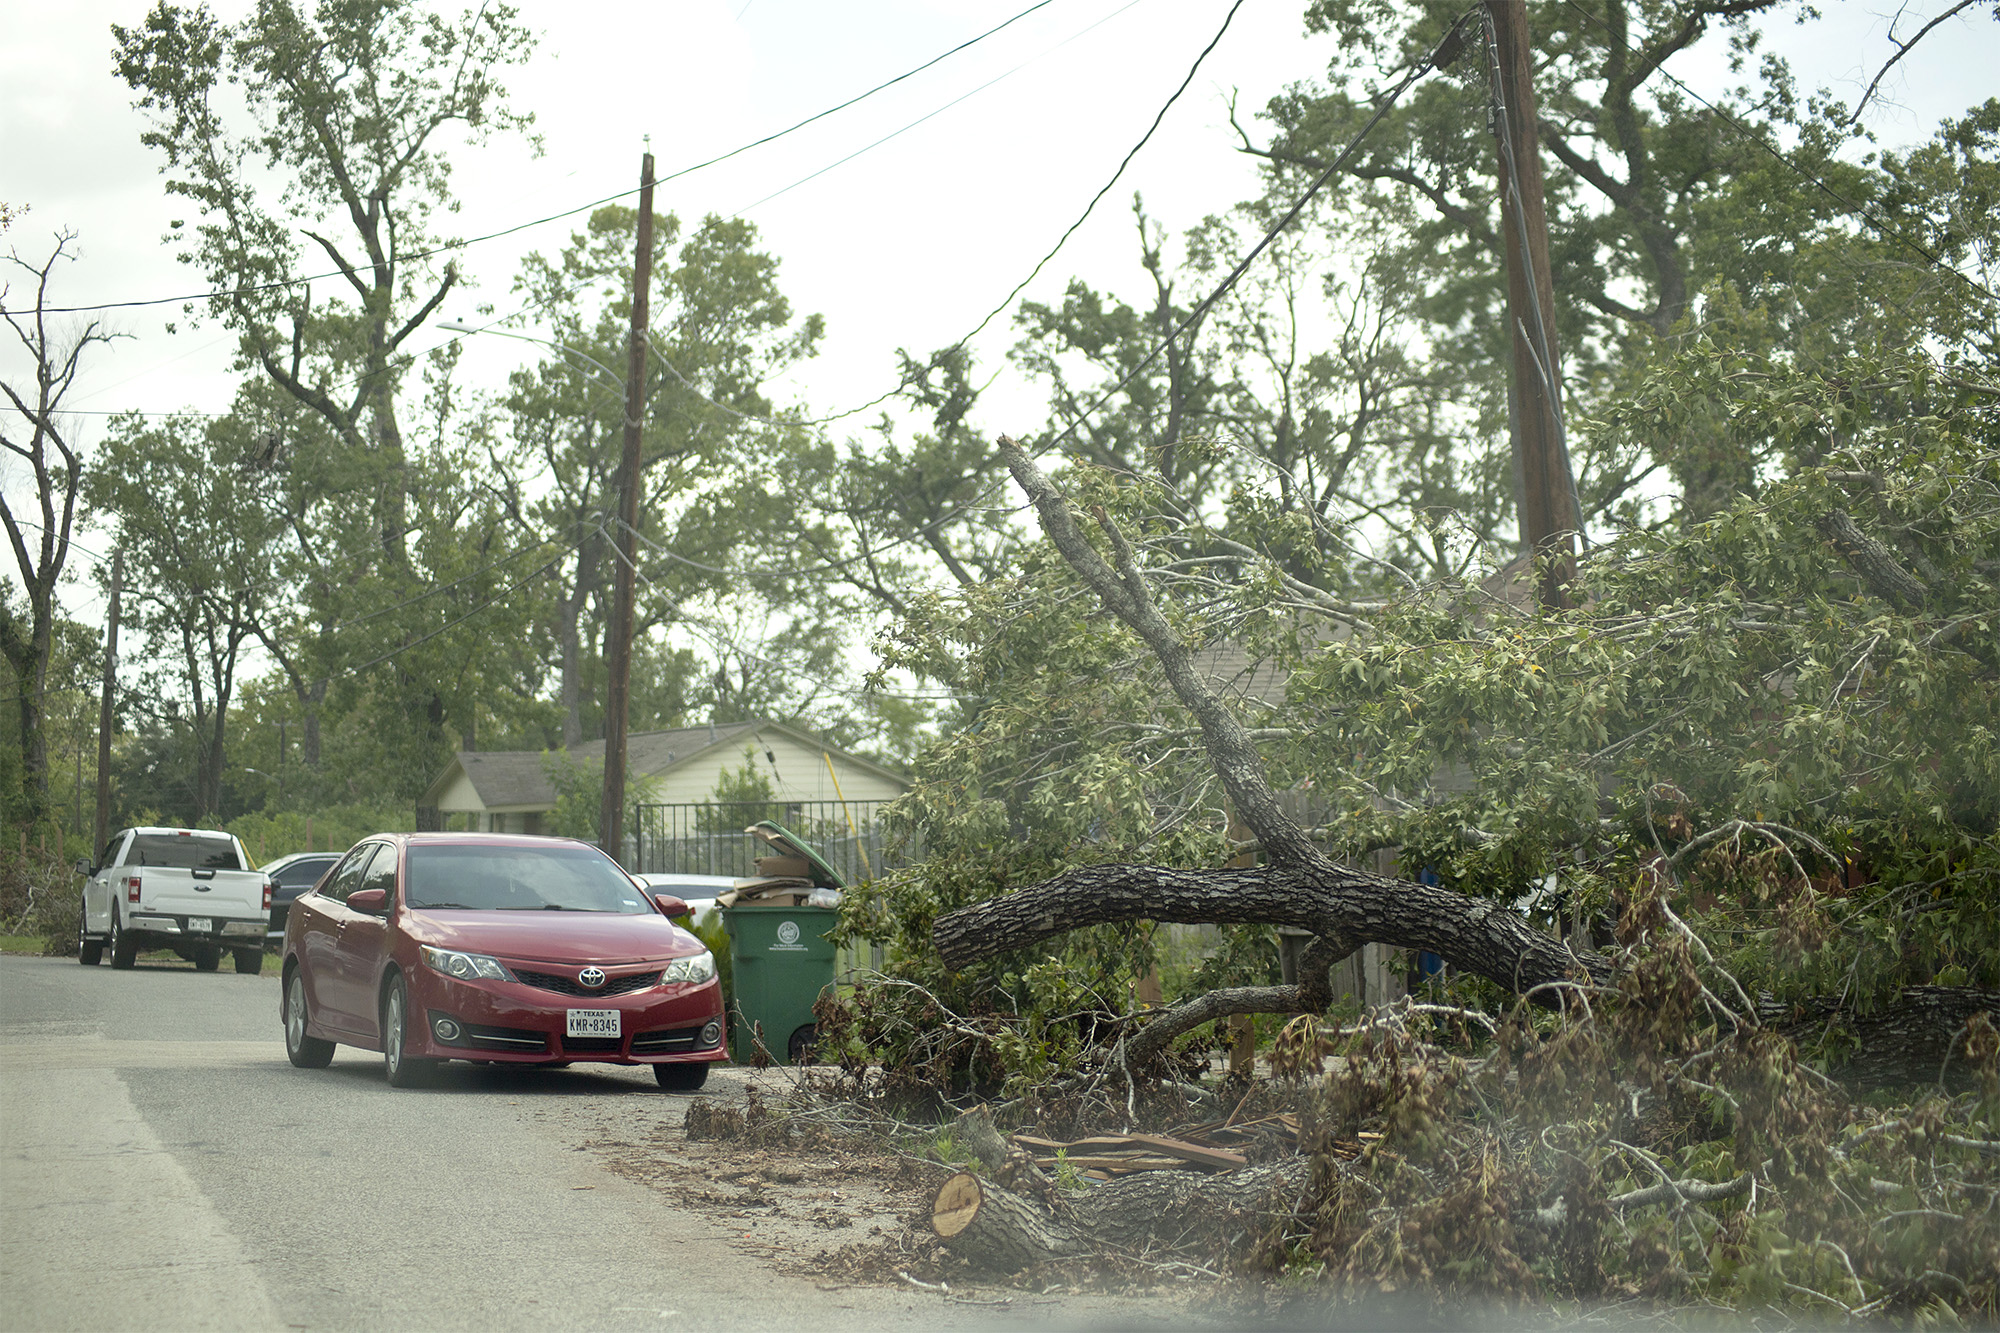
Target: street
(165, 1168)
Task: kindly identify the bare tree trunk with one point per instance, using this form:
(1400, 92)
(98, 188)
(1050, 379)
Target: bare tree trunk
(1152, 1210)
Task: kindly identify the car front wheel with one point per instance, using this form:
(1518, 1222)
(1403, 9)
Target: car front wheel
(404, 1070)
(681, 1078)
(305, 1051)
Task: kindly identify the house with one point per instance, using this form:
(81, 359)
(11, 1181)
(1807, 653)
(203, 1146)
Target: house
(509, 791)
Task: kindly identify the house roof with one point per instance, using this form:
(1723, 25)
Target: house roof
(506, 778)
(517, 779)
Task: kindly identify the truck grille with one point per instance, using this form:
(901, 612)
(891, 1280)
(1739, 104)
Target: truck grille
(624, 985)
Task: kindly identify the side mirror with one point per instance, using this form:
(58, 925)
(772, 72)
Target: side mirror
(372, 901)
(671, 905)
(84, 867)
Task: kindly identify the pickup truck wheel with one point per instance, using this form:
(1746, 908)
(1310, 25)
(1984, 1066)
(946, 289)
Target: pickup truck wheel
(249, 961)
(403, 1070)
(206, 957)
(89, 952)
(304, 1051)
(124, 949)
(681, 1078)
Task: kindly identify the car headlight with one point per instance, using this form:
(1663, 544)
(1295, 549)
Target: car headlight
(694, 967)
(465, 966)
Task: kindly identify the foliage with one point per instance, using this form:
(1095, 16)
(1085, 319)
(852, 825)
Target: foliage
(39, 895)
(333, 828)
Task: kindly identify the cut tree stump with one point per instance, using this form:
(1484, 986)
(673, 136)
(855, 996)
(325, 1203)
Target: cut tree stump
(996, 1228)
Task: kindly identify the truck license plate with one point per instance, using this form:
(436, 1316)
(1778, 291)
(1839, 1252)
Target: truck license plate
(200, 925)
(594, 1023)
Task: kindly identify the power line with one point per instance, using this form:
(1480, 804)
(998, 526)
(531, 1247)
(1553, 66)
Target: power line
(1386, 104)
(453, 246)
(1006, 301)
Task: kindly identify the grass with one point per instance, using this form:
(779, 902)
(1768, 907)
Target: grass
(33, 944)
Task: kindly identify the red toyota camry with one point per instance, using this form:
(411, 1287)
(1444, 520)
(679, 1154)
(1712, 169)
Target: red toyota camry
(516, 950)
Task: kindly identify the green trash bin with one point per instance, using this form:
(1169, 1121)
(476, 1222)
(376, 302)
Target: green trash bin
(782, 962)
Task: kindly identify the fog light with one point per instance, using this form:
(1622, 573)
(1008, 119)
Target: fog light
(712, 1033)
(445, 1029)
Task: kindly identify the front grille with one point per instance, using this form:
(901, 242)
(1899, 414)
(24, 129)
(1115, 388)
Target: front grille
(502, 1039)
(591, 1043)
(667, 1042)
(570, 986)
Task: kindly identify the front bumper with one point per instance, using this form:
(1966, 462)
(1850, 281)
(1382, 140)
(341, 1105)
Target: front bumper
(517, 1023)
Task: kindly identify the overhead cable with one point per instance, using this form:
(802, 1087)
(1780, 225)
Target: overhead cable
(452, 246)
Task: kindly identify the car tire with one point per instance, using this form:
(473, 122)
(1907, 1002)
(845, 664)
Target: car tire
(124, 949)
(403, 1070)
(303, 1050)
(681, 1077)
(206, 957)
(89, 952)
(249, 962)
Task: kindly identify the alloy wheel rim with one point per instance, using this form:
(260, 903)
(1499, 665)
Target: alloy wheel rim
(295, 1013)
(393, 1046)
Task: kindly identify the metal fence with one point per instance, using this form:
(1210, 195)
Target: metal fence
(708, 838)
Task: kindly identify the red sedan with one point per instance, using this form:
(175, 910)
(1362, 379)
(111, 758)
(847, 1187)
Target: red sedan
(510, 950)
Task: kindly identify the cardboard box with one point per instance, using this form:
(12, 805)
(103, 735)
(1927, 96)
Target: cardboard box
(784, 867)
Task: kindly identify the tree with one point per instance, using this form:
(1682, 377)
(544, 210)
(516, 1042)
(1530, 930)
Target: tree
(1779, 720)
(41, 548)
(1653, 198)
(197, 536)
(712, 460)
(347, 103)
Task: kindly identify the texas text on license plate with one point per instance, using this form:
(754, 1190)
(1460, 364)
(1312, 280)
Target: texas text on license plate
(594, 1023)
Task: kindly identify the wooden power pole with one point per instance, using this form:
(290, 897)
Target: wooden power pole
(618, 690)
(1548, 498)
(102, 830)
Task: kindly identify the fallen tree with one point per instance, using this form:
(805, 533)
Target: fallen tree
(1300, 885)
(1764, 746)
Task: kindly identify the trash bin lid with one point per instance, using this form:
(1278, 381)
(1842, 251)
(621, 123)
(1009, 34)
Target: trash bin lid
(784, 843)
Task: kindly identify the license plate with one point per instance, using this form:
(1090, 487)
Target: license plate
(594, 1023)
(201, 925)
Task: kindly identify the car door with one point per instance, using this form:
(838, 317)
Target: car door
(98, 890)
(364, 944)
(321, 929)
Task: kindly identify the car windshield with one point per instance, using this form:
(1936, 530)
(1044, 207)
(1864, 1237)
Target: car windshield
(522, 879)
(184, 851)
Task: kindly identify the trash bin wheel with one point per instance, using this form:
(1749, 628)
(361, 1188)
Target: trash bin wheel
(803, 1046)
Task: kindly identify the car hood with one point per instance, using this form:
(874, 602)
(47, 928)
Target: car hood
(552, 937)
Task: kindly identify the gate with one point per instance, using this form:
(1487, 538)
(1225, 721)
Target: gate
(707, 838)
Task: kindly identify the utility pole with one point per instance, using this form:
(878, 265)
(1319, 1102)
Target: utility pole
(1549, 516)
(617, 691)
(103, 829)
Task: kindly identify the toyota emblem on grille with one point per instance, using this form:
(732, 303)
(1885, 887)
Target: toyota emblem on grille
(592, 977)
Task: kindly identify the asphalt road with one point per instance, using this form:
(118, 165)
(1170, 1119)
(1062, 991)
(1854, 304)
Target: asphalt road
(163, 1167)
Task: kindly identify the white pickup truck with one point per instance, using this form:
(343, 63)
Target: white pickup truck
(189, 890)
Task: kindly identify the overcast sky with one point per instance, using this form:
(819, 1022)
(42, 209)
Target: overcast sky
(907, 245)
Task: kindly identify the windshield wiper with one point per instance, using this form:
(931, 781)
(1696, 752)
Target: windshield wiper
(466, 906)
